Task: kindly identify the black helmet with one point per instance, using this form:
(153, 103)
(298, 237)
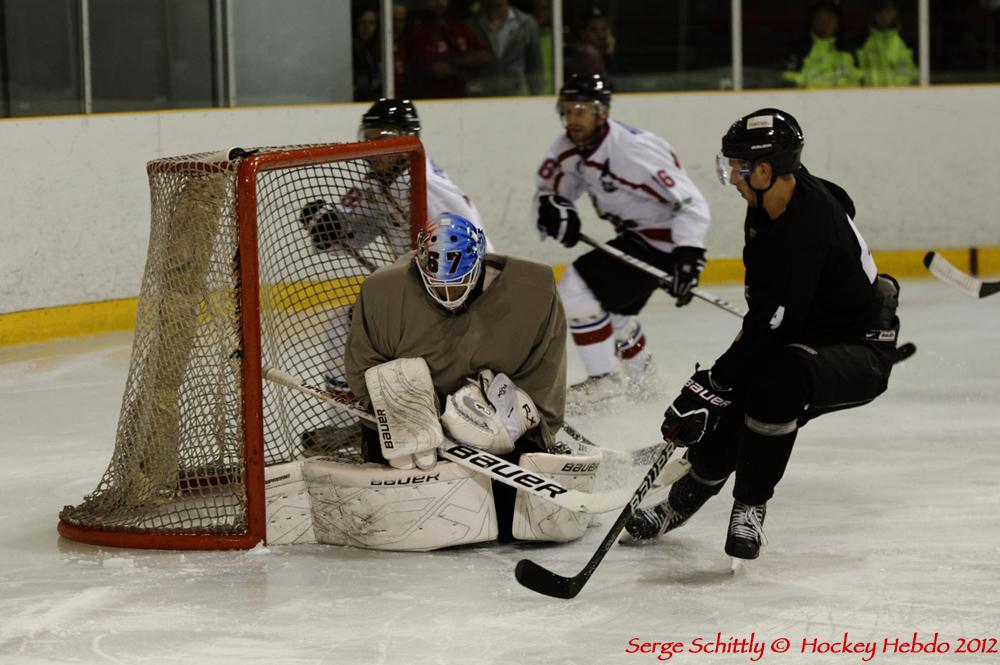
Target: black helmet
(392, 114)
(767, 135)
(580, 88)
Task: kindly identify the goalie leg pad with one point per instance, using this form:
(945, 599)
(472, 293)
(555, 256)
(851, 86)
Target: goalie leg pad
(405, 406)
(536, 519)
(287, 506)
(380, 508)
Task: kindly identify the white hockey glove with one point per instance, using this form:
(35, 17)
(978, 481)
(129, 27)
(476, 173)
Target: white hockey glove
(405, 407)
(490, 413)
(557, 217)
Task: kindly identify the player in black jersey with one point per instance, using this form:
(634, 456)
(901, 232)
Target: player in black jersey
(819, 335)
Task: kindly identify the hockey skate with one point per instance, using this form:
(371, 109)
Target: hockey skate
(686, 497)
(637, 364)
(746, 531)
(594, 390)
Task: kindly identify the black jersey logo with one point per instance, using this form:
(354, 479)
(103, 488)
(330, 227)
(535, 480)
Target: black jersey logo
(608, 180)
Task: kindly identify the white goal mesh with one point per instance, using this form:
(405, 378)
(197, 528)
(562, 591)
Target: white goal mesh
(235, 278)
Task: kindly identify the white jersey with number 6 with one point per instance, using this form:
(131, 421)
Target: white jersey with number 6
(635, 181)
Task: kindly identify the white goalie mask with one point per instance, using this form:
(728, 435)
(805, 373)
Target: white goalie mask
(450, 255)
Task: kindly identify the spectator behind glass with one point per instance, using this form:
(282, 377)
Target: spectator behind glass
(826, 63)
(884, 58)
(512, 36)
(442, 52)
(542, 11)
(399, 26)
(367, 63)
(592, 48)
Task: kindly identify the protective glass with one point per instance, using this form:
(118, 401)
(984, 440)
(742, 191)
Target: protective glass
(725, 170)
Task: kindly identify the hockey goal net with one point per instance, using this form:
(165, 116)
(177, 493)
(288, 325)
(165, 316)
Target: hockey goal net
(234, 280)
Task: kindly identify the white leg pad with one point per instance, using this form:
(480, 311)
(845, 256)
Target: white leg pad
(536, 519)
(381, 508)
(287, 506)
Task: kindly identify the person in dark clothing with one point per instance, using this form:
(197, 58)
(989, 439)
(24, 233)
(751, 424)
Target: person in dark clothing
(819, 335)
(366, 59)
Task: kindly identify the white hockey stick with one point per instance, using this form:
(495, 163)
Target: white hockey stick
(490, 465)
(941, 268)
(665, 279)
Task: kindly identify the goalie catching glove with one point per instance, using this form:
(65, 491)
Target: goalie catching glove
(489, 412)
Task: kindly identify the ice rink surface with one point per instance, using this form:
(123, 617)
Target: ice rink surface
(886, 524)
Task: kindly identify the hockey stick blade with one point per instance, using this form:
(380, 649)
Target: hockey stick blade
(903, 352)
(944, 270)
(542, 580)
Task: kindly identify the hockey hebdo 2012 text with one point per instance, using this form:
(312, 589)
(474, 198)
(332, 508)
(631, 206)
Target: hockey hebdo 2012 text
(755, 646)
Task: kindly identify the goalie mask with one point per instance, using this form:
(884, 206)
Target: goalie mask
(450, 255)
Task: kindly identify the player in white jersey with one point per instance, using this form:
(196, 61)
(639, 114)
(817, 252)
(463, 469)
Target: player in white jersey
(381, 198)
(383, 194)
(636, 182)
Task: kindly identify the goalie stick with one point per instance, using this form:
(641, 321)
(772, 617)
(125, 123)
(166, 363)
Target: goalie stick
(544, 581)
(488, 464)
(941, 268)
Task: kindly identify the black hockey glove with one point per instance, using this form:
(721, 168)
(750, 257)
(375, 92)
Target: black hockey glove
(557, 218)
(688, 264)
(697, 410)
(325, 228)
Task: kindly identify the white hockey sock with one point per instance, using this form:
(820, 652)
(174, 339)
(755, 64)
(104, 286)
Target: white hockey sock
(596, 344)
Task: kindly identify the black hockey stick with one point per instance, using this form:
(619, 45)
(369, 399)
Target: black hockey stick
(941, 268)
(904, 351)
(665, 279)
(544, 581)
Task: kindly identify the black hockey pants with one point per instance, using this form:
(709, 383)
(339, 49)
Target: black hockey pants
(794, 385)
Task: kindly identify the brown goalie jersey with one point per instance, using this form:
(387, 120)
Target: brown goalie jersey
(513, 324)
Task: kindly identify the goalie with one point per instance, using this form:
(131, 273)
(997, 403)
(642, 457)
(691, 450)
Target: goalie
(484, 335)
(375, 209)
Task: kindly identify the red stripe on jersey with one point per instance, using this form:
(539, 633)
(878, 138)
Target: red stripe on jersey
(634, 185)
(563, 156)
(660, 235)
(593, 336)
